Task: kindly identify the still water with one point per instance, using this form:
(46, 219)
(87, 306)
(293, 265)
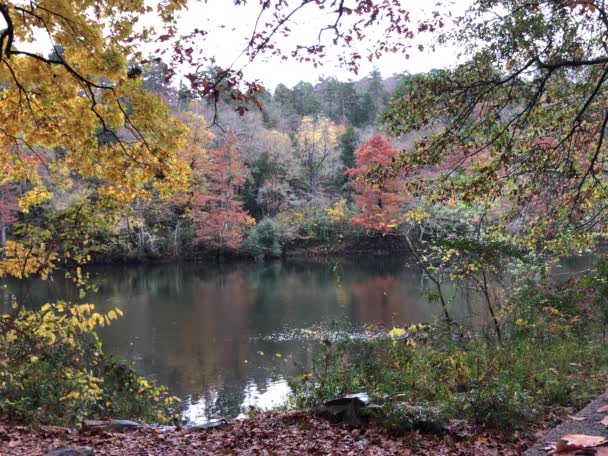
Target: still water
(226, 338)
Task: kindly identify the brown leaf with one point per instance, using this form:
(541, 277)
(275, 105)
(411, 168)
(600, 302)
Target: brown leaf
(572, 442)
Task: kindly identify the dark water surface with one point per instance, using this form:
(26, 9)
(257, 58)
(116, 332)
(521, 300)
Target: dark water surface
(223, 338)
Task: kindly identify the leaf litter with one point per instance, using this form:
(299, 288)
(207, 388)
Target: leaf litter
(270, 433)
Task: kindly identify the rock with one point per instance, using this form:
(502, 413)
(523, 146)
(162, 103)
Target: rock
(209, 425)
(123, 425)
(110, 425)
(348, 410)
(71, 451)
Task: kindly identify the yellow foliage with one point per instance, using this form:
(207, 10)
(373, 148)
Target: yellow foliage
(415, 215)
(396, 333)
(33, 197)
(78, 113)
(316, 146)
(337, 213)
(21, 261)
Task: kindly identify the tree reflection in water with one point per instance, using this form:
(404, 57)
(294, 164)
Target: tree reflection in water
(226, 338)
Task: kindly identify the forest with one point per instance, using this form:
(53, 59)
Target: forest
(274, 181)
(387, 251)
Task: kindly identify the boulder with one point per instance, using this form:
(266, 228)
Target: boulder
(209, 425)
(348, 409)
(71, 451)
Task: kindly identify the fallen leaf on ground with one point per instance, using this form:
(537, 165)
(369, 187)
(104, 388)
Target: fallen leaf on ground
(573, 442)
(277, 433)
(576, 418)
(604, 421)
(602, 409)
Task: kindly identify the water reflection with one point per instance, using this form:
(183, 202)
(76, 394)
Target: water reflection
(226, 338)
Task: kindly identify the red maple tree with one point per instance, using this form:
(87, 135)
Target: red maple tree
(218, 212)
(380, 203)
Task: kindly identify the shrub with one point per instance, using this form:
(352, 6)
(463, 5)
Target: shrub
(52, 370)
(420, 379)
(265, 239)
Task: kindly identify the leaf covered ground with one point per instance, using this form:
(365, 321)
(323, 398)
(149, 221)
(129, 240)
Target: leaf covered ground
(273, 433)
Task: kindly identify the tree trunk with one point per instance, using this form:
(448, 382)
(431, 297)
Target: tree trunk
(486, 293)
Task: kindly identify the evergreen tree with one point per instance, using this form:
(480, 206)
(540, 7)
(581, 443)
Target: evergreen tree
(349, 142)
(284, 97)
(305, 101)
(330, 89)
(363, 110)
(348, 101)
(376, 94)
(154, 77)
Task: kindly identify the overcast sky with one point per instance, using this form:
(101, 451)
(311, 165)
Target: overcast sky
(229, 27)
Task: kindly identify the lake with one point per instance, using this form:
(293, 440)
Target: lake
(226, 338)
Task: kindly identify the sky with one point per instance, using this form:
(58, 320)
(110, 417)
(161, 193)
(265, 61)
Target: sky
(230, 26)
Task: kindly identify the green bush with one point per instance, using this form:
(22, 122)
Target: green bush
(265, 240)
(505, 385)
(53, 371)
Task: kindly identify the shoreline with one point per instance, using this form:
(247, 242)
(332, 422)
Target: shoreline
(280, 433)
(378, 247)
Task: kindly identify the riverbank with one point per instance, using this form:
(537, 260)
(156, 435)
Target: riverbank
(346, 247)
(280, 433)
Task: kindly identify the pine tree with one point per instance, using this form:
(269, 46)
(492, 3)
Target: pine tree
(348, 145)
(377, 95)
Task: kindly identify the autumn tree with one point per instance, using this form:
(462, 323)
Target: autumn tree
(519, 128)
(271, 164)
(380, 203)
(316, 151)
(218, 211)
(80, 113)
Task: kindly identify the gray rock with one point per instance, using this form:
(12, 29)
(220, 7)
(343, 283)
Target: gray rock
(348, 410)
(110, 425)
(71, 451)
(209, 425)
(123, 425)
